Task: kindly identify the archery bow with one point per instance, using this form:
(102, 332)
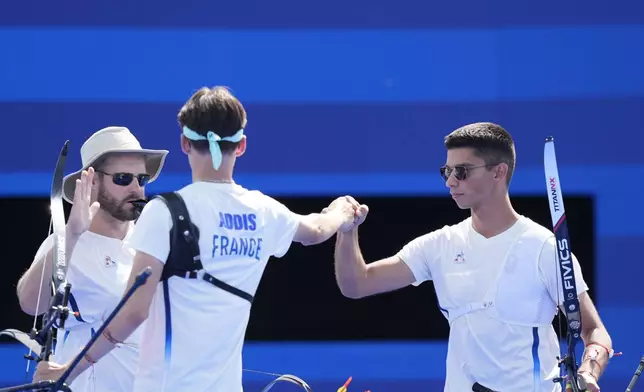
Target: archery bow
(288, 378)
(565, 262)
(60, 288)
(45, 338)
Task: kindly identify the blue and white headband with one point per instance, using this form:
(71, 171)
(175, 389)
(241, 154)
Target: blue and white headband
(213, 141)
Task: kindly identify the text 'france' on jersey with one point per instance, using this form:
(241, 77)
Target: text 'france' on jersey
(240, 243)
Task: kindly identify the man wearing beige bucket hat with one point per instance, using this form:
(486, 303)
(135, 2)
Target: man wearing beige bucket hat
(112, 141)
(195, 322)
(114, 174)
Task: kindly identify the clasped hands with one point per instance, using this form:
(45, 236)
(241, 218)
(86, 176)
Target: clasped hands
(352, 212)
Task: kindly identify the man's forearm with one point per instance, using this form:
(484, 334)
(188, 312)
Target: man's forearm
(324, 226)
(596, 354)
(35, 280)
(350, 267)
(329, 224)
(122, 326)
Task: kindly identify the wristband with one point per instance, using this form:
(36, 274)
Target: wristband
(610, 352)
(89, 359)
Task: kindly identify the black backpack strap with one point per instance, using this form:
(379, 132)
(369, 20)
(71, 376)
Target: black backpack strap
(184, 239)
(219, 283)
(184, 259)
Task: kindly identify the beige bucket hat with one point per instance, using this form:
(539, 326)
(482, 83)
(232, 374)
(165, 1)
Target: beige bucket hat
(112, 140)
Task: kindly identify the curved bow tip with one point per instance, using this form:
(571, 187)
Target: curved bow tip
(23, 338)
(290, 378)
(65, 149)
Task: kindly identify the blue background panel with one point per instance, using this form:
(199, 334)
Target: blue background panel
(360, 138)
(135, 65)
(330, 14)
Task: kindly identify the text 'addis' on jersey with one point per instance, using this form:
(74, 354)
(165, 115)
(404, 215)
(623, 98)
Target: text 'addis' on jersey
(236, 237)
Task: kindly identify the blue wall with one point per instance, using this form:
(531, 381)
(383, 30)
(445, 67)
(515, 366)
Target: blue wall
(373, 85)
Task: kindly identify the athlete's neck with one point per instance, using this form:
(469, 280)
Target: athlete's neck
(214, 177)
(494, 216)
(104, 224)
(203, 171)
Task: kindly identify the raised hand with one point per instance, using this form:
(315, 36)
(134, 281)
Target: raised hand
(83, 210)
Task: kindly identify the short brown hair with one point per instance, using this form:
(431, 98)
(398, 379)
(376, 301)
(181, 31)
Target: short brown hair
(489, 141)
(213, 109)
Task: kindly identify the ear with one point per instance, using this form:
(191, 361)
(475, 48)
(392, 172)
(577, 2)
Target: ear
(186, 147)
(241, 147)
(501, 171)
(95, 184)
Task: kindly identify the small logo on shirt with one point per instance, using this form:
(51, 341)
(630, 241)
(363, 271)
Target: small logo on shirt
(109, 262)
(460, 258)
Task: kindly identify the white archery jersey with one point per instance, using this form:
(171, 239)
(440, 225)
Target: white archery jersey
(499, 296)
(99, 269)
(195, 331)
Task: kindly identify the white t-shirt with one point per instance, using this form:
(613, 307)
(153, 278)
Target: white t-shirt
(238, 231)
(498, 355)
(98, 271)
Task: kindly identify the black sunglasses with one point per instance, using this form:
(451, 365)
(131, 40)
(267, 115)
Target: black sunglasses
(125, 179)
(460, 172)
